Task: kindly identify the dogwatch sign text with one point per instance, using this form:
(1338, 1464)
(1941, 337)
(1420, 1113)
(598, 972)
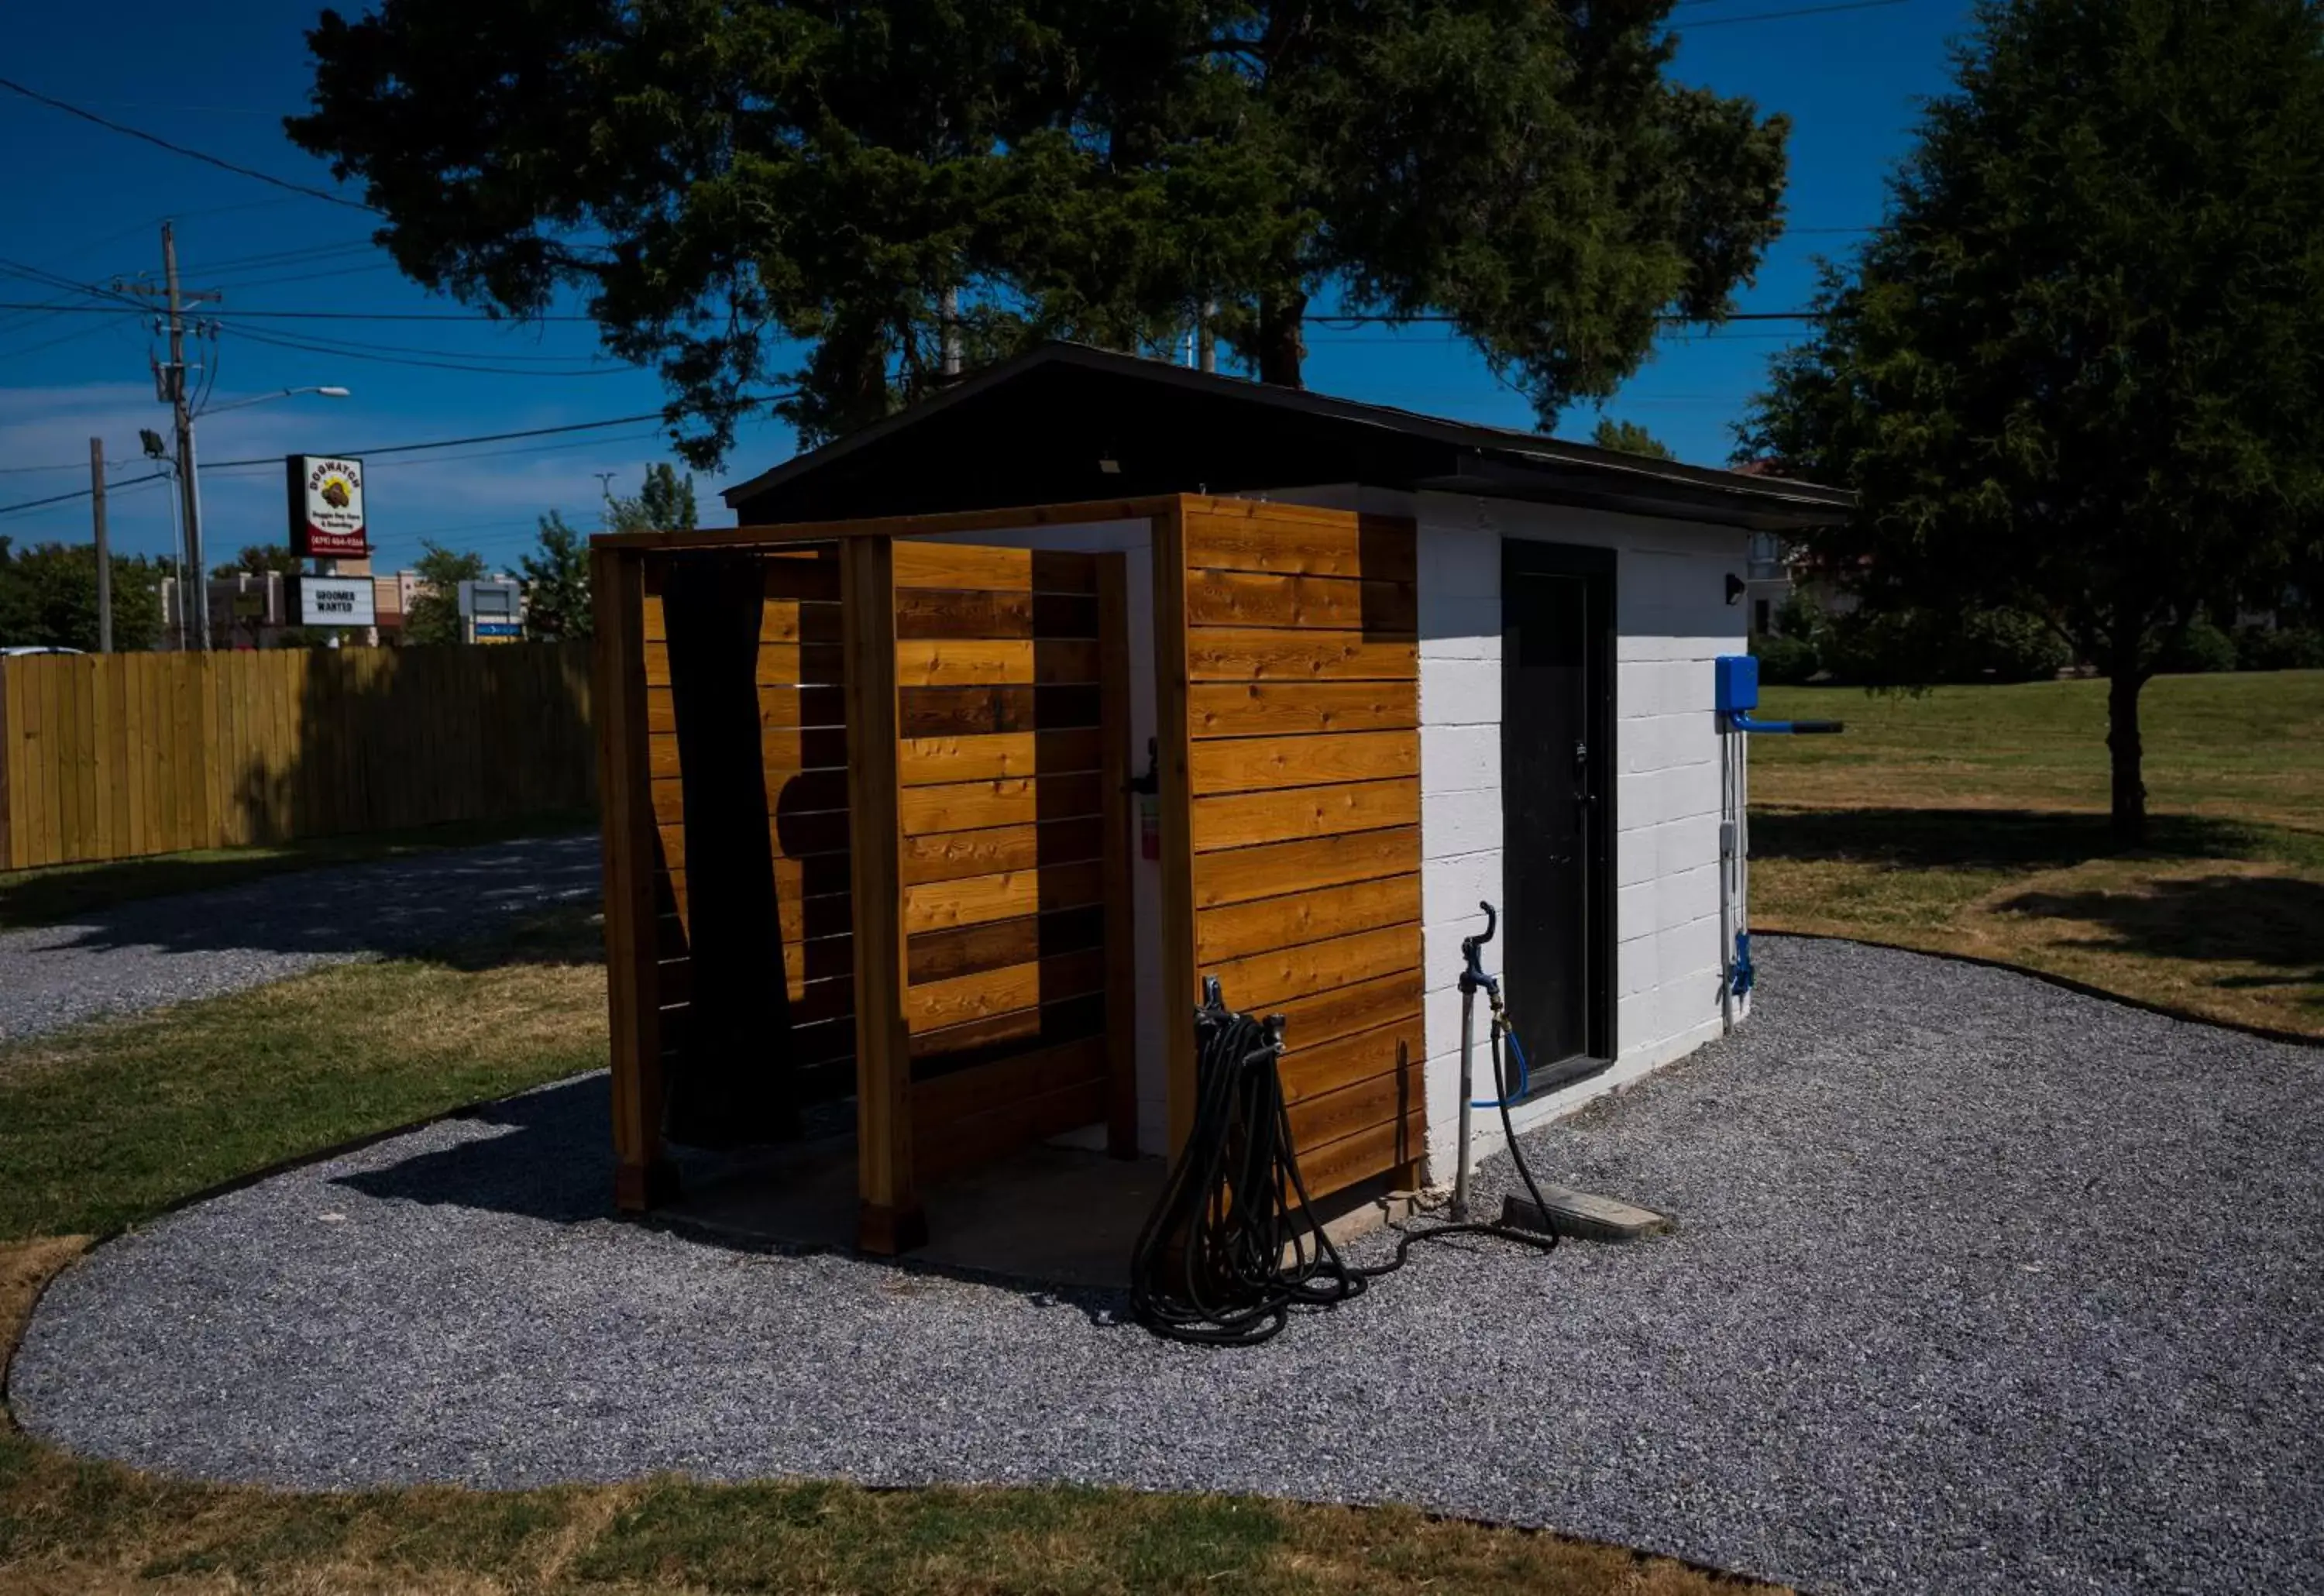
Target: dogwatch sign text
(326, 507)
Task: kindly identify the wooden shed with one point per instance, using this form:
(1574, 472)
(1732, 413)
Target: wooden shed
(940, 783)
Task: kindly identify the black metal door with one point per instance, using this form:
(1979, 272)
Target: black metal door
(1557, 770)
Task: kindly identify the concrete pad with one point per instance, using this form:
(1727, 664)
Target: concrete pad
(1061, 1215)
(1583, 1215)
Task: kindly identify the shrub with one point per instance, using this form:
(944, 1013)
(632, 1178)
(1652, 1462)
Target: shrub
(1784, 661)
(2006, 645)
(2279, 648)
(2201, 647)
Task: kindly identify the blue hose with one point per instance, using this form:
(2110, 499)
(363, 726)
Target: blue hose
(1525, 1080)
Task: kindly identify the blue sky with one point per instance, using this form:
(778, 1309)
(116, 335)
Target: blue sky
(85, 204)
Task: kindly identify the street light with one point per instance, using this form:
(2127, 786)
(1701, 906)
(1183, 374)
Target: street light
(191, 476)
(327, 391)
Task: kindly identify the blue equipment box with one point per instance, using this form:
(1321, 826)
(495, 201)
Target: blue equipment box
(1736, 689)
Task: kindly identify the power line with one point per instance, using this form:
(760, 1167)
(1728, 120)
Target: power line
(455, 365)
(83, 493)
(1774, 16)
(337, 315)
(176, 149)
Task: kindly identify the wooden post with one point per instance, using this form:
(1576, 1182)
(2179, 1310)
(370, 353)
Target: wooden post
(1175, 766)
(642, 1173)
(8, 860)
(104, 545)
(888, 1215)
(1117, 760)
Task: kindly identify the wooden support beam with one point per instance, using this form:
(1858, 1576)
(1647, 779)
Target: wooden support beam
(889, 1219)
(1118, 760)
(643, 1174)
(1176, 767)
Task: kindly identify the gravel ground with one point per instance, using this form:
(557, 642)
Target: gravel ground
(1980, 1286)
(197, 945)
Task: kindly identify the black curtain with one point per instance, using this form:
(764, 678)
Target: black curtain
(732, 1082)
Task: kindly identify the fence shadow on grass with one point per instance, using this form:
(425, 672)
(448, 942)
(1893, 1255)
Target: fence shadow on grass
(1987, 839)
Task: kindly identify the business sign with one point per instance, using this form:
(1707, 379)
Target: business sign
(326, 507)
(337, 601)
(488, 600)
(500, 632)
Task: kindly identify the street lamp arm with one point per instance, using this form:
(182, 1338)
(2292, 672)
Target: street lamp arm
(328, 391)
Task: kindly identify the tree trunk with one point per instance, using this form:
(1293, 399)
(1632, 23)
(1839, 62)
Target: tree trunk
(1280, 347)
(2129, 803)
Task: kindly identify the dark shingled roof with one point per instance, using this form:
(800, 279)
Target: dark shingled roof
(1066, 422)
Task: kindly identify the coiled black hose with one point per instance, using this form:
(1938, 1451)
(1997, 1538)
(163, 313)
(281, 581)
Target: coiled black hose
(1232, 1245)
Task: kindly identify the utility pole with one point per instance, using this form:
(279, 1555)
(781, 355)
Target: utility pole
(171, 387)
(104, 549)
(1206, 342)
(948, 317)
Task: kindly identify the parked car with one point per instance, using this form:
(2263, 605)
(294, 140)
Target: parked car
(12, 649)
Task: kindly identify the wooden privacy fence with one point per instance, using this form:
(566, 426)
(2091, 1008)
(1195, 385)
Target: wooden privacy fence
(113, 756)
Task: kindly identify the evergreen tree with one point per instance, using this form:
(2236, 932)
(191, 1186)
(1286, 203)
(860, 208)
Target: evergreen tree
(720, 178)
(434, 617)
(1629, 439)
(664, 504)
(557, 584)
(2080, 370)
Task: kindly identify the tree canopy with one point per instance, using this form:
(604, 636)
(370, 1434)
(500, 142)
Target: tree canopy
(557, 584)
(773, 192)
(1630, 439)
(47, 597)
(2080, 370)
(434, 615)
(258, 559)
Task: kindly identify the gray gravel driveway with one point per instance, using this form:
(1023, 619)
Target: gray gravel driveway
(198, 944)
(1980, 1286)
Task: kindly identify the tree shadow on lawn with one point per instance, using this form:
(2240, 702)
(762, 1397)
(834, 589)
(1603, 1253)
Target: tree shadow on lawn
(1990, 839)
(2276, 922)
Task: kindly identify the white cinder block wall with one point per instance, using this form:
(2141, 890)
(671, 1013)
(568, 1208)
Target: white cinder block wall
(1672, 621)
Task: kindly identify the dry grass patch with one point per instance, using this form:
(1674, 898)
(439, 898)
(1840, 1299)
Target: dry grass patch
(1972, 821)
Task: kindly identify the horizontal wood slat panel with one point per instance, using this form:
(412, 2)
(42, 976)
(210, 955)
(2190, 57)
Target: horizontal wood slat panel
(1221, 655)
(1269, 980)
(940, 611)
(779, 665)
(1324, 1017)
(1337, 1165)
(961, 1047)
(779, 707)
(964, 1144)
(1241, 820)
(778, 623)
(960, 1093)
(996, 756)
(1251, 598)
(949, 855)
(794, 836)
(967, 806)
(1238, 875)
(954, 662)
(964, 950)
(920, 564)
(1256, 709)
(975, 900)
(943, 712)
(1327, 1066)
(936, 1004)
(1237, 931)
(1245, 765)
(783, 750)
(826, 914)
(1380, 1099)
(1383, 547)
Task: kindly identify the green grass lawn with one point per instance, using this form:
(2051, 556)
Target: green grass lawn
(1973, 820)
(103, 1126)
